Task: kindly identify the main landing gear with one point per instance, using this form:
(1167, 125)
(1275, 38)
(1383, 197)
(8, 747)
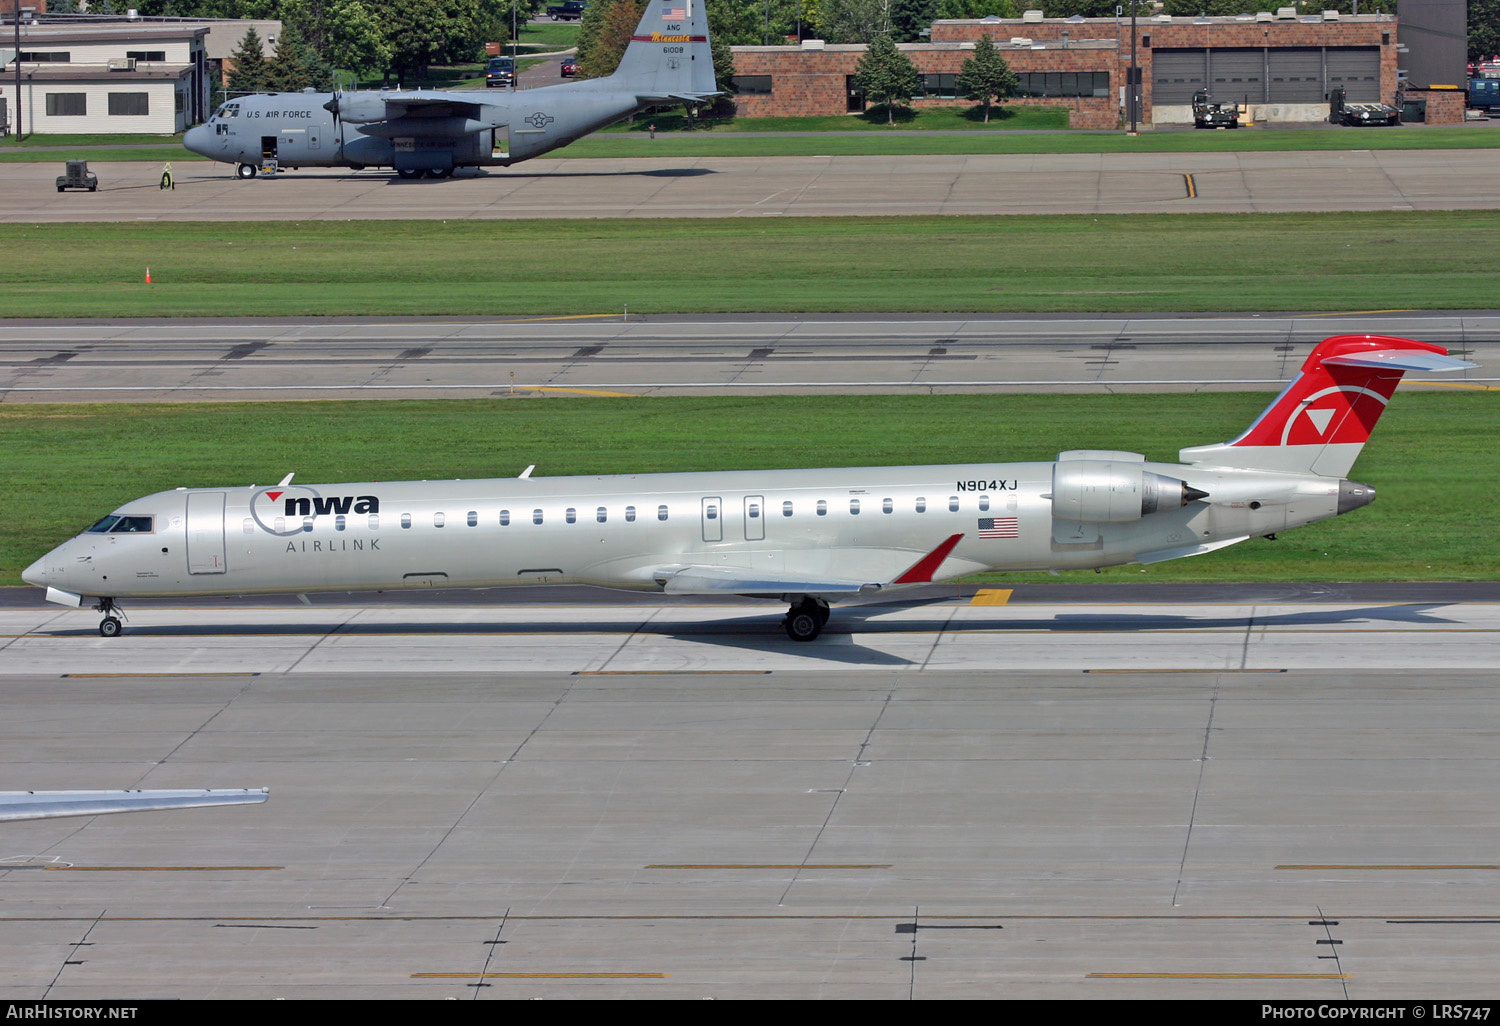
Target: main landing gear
(110, 626)
(429, 172)
(805, 620)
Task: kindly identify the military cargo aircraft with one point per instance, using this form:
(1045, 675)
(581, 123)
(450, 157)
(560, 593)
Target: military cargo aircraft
(805, 537)
(431, 132)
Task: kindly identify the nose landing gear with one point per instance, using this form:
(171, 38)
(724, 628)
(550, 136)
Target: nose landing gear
(805, 620)
(110, 626)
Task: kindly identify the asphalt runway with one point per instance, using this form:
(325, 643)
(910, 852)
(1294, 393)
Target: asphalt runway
(1285, 800)
(192, 360)
(1245, 182)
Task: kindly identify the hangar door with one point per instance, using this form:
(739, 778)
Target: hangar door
(1278, 75)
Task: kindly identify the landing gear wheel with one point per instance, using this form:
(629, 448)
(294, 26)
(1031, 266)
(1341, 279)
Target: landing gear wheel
(109, 627)
(409, 172)
(439, 172)
(805, 620)
(245, 170)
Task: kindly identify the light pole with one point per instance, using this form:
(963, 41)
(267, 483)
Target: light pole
(1133, 98)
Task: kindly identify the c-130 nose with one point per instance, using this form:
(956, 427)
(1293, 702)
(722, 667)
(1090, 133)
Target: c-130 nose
(198, 138)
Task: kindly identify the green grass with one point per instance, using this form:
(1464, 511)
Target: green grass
(1431, 458)
(1289, 262)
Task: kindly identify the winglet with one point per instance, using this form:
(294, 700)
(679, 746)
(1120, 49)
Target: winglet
(922, 570)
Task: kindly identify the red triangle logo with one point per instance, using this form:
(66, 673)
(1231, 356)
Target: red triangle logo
(273, 496)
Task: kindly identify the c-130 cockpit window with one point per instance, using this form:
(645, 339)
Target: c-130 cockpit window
(113, 524)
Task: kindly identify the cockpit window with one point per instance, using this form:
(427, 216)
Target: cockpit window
(104, 525)
(132, 525)
(228, 110)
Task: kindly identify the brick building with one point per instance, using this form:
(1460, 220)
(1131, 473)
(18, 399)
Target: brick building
(1282, 66)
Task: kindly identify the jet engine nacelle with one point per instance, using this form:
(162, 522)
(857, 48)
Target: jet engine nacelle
(1113, 491)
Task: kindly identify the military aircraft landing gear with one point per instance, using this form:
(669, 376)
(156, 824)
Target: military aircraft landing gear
(110, 626)
(409, 172)
(805, 620)
(245, 170)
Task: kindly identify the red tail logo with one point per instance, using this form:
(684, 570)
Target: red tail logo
(1340, 394)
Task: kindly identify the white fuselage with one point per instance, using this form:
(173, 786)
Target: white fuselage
(866, 525)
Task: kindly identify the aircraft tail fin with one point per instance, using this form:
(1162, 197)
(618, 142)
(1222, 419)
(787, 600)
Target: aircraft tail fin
(1321, 421)
(668, 58)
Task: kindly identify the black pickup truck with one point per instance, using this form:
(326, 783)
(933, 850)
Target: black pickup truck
(568, 10)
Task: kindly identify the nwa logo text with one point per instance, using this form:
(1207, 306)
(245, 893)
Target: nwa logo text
(286, 510)
(320, 505)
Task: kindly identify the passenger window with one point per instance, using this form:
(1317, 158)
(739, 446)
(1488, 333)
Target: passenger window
(921, 505)
(601, 514)
(711, 512)
(822, 507)
(854, 507)
(786, 509)
(405, 521)
(887, 506)
(755, 511)
(572, 515)
(661, 512)
(984, 503)
(473, 518)
(374, 521)
(280, 525)
(630, 514)
(536, 516)
(249, 526)
(439, 519)
(307, 525)
(505, 518)
(339, 522)
(953, 504)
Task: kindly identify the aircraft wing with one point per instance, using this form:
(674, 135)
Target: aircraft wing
(17, 805)
(676, 97)
(716, 580)
(368, 107)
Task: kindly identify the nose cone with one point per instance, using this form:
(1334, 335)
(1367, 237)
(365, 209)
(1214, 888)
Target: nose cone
(36, 573)
(198, 138)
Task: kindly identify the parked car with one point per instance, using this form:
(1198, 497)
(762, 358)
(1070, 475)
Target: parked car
(499, 71)
(569, 67)
(568, 10)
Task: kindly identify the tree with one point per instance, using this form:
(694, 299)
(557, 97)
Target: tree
(986, 76)
(356, 40)
(421, 33)
(603, 34)
(910, 17)
(296, 66)
(249, 72)
(854, 21)
(886, 75)
(1484, 29)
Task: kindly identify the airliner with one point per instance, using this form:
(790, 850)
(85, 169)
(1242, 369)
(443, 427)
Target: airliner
(430, 132)
(805, 537)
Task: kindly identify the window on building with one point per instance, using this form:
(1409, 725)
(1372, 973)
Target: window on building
(46, 57)
(941, 86)
(129, 104)
(1063, 83)
(159, 56)
(752, 85)
(67, 105)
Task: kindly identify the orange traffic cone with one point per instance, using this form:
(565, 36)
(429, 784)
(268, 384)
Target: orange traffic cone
(148, 276)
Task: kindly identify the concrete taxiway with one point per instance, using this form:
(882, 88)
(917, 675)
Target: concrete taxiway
(1082, 183)
(970, 798)
(124, 360)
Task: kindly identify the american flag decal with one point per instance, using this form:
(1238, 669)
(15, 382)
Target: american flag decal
(669, 13)
(999, 527)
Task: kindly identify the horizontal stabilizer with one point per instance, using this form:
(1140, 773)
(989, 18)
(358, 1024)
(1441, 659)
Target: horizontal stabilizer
(1401, 359)
(17, 805)
(1162, 555)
